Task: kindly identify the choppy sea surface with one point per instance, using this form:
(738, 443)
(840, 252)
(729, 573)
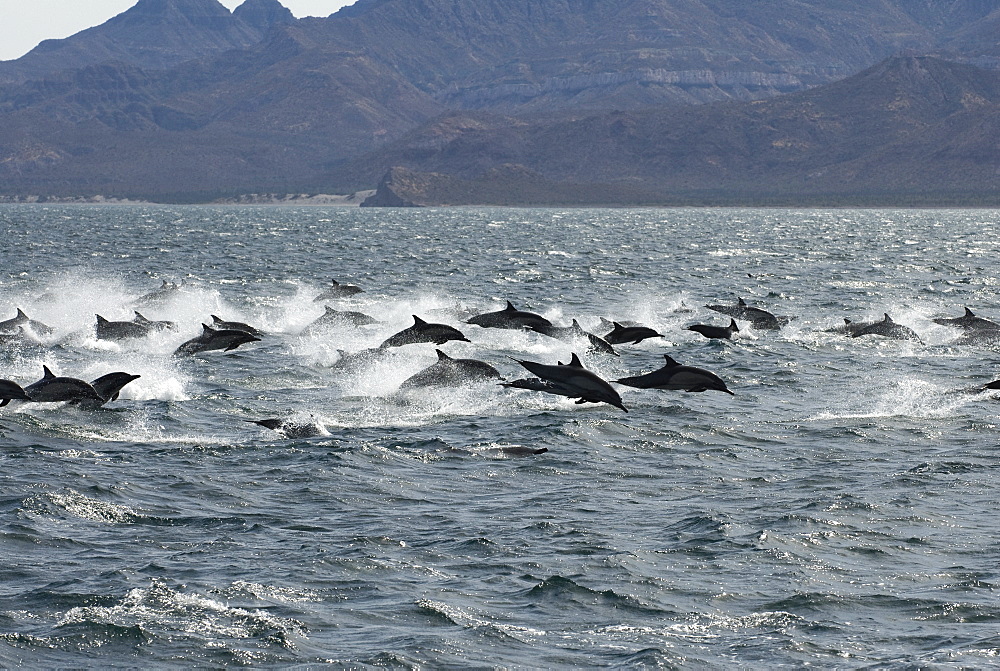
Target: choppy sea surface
(840, 510)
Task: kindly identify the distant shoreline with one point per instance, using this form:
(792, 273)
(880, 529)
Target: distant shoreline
(303, 199)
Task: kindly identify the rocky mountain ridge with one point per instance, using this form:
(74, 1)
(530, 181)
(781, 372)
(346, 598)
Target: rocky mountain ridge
(184, 100)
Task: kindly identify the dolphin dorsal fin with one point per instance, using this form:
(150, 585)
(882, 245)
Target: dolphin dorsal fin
(216, 320)
(577, 326)
(101, 320)
(335, 283)
(46, 373)
(21, 315)
(732, 325)
(888, 319)
(670, 361)
(617, 326)
(205, 328)
(417, 321)
(969, 313)
(846, 320)
(329, 310)
(742, 303)
(575, 362)
(510, 307)
(442, 356)
(139, 317)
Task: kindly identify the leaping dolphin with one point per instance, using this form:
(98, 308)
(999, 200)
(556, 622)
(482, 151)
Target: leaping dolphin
(338, 290)
(337, 318)
(152, 324)
(572, 380)
(510, 318)
(21, 319)
(291, 429)
(451, 372)
(716, 332)
(55, 389)
(633, 334)
(969, 322)
(851, 328)
(109, 330)
(166, 291)
(222, 325)
(422, 331)
(888, 329)
(678, 377)
(575, 331)
(212, 339)
(760, 319)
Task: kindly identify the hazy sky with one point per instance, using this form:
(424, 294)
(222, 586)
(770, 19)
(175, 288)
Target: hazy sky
(25, 23)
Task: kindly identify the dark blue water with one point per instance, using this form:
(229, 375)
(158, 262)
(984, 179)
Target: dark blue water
(840, 510)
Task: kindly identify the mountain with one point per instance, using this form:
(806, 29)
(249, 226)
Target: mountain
(181, 99)
(911, 129)
(154, 34)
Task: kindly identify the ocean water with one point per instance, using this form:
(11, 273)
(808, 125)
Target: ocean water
(840, 510)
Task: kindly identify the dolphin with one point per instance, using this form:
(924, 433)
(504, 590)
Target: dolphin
(21, 319)
(572, 380)
(338, 317)
(165, 291)
(291, 429)
(54, 389)
(609, 324)
(969, 322)
(365, 357)
(109, 330)
(338, 290)
(152, 324)
(675, 376)
(982, 337)
(422, 331)
(450, 372)
(212, 339)
(633, 334)
(574, 331)
(221, 325)
(11, 391)
(760, 319)
(20, 338)
(850, 327)
(509, 318)
(888, 329)
(716, 332)
(109, 386)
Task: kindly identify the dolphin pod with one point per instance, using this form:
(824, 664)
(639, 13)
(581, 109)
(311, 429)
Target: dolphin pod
(570, 380)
